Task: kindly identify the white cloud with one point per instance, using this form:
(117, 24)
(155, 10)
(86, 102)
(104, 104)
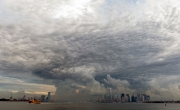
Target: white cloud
(119, 85)
(164, 88)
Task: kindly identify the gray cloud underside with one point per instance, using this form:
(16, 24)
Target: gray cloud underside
(92, 50)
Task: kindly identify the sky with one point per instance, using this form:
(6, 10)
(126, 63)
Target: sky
(77, 49)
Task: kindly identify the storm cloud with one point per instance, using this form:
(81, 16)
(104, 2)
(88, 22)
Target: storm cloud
(86, 46)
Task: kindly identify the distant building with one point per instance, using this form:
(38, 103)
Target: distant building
(119, 95)
(105, 97)
(42, 98)
(130, 100)
(11, 98)
(138, 97)
(110, 93)
(116, 96)
(122, 97)
(148, 98)
(49, 96)
(24, 97)
(127, 99)
(145, 98)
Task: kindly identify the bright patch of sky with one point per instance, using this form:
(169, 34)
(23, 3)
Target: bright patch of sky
(14, 84)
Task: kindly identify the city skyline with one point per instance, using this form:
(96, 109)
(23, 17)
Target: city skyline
(42, 98)
(77, 49)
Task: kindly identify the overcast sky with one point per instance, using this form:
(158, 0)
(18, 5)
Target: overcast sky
(83, 47)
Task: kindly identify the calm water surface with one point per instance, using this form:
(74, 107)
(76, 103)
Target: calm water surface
(86, 106)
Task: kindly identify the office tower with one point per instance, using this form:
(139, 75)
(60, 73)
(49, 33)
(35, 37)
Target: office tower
(24, 97)
(105, 97)
(127, 98)
(119, 95)
(148, 98)
(11, 97)
(49, 96)
(116, 96)
(122, 97)
(143, 98)
(42, 97)
(113, 97)
(130, 98)
(110, 93)
(138, 97)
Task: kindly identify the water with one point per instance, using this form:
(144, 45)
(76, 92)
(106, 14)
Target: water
(86, 106)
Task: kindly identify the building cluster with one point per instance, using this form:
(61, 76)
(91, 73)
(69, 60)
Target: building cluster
(139, 98)
(43, 98)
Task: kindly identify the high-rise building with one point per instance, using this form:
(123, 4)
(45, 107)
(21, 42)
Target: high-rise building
(42, 98)
(11, 97)
(119, 95)
(116, 96)
(113, 97)
(127, 98)
(49, 96)
(138, 97)
(143, 98)
(110, 93)
(130, 100)
(122, 97)
(24, 97)
(148, 98)
(105, 97)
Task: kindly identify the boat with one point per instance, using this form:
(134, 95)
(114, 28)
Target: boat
(34, 101)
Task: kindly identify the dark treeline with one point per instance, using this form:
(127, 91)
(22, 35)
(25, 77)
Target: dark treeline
(163, 102)
(3, 99)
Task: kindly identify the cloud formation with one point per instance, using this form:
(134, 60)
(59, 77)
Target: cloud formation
(92, 44)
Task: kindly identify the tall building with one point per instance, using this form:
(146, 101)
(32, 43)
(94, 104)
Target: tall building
(138, 97)
(148, 98)
(42, 98)
(130, 99)
(127, 98)
(145, 97)
(122, 97)
(24, 97)
(49, 96)
(11, 97)
(110, 93)
(116, 96)
(119, 95)
(105, 97)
